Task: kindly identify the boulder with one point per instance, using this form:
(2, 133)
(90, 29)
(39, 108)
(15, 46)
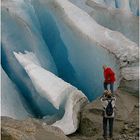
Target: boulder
(29, 129)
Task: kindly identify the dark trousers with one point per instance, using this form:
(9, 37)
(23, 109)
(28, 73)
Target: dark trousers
(105, 122)
(111, 86)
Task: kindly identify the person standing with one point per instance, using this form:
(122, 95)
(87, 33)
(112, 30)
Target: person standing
(108, 103)
(109, 78)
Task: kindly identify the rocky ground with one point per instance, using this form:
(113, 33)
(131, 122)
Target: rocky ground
(30, 129)
(126, 124)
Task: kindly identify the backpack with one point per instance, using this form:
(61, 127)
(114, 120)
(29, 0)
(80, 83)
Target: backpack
(109, 108)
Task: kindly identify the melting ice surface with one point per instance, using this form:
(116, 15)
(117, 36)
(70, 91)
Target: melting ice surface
(58, 48)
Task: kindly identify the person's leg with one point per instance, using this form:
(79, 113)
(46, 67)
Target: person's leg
(111, 127)
(112, 87)
(105, 86)
(104, 127)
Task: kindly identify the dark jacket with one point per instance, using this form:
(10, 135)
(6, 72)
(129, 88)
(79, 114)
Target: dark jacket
(105, 101)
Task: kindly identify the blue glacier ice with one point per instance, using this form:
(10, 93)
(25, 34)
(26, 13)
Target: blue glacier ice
(117, 20)
(82, 4)
(61, 94)
(112, 17)
(82, 51)
(20, 33)
(81, 68)
(52, 49)
(134, 5)
(127, 5)
(55, 43)
(12, 103)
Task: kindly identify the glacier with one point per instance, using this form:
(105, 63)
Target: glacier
(53, 52)
(90, 41)
(130, 6)
(117, 18)
(19, 34)
(58, 92)
(81, 69)
(82, 4)
(43, 80)
(121, 20)
(12, 103)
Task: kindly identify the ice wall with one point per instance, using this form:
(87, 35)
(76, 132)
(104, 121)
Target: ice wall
(49, 87)
(21, 31)
(116, 19)
(82, 69)
(60, 94)
(130, 6)
(12, 103)
(89, 47)
(54, 39)
(83, 49)
(82, 4)
(55, 44)
(134, 5)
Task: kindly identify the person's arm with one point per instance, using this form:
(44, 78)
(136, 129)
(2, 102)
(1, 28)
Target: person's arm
(104, 102)
(112, 73)
(113, 102)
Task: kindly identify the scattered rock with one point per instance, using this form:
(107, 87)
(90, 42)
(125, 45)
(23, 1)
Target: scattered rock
(126, 127)
(124, 136)
(125, 124)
